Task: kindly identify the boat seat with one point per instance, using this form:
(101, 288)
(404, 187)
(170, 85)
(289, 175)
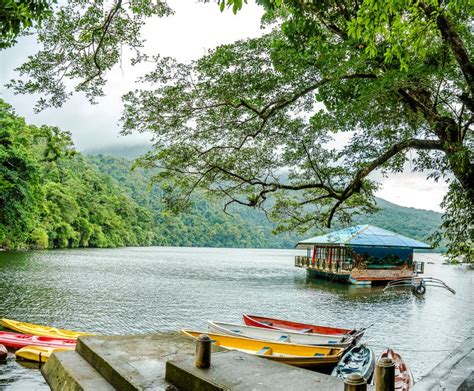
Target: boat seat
(306, 330)
(265, 351)
(283, 338)
(348, 370)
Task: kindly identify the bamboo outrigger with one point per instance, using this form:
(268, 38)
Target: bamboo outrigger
(418, 284)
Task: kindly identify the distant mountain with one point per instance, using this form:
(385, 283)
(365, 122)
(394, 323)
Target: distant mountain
(207, 225)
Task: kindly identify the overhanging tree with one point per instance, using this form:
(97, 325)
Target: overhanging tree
(252, 122)
(17, 16)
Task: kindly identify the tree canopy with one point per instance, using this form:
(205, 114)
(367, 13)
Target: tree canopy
(54, 197)
(252, 122)
(17, 16)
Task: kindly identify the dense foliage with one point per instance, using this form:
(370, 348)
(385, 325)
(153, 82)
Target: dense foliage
(16, 16)
(204, 224)
(396, 77)
(207, 218)
(53, 197)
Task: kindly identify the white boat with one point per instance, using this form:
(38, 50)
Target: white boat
(259, 333)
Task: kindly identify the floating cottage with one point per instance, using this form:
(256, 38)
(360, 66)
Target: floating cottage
(362, 255)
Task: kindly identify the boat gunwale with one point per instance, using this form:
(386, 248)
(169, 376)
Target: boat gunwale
(346, 332)
(340, 344)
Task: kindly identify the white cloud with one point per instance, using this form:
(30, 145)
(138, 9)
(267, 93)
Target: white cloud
(413, 189)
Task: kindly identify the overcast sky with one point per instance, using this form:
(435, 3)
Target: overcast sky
(195, 28)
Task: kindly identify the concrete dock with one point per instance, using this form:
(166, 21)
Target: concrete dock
(166, 362)
(455, 372)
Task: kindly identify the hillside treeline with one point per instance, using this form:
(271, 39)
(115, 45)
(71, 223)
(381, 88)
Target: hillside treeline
(52, 196)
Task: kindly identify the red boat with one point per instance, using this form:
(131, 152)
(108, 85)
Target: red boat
(278, 324)
(403, 376)
(17, 341)
(3, 353)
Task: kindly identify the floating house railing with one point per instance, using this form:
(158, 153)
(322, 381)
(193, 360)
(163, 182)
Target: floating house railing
(332, 266)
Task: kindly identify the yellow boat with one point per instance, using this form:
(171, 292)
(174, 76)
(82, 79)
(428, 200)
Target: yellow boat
(304, 356)
(37, 353)
(45, 331)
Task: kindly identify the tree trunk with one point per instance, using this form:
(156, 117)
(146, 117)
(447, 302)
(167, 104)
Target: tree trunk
(461, 162)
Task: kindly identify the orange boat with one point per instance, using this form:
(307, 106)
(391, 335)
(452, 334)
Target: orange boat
(288, 325)
(403, 376)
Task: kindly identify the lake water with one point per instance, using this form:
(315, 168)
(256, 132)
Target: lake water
(141, 290)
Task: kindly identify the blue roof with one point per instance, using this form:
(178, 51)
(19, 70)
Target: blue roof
(363, 235)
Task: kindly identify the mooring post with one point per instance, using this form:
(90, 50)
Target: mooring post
(385, 375)
(355, 382)
(203, 352)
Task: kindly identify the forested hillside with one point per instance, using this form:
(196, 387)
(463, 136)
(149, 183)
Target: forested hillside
(412, 222)
(54, 197)
(51, 197)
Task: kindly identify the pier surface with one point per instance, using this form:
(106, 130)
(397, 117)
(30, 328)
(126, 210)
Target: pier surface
(166, 362)
(455, 372)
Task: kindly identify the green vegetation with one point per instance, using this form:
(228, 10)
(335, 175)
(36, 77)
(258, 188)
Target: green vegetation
(51, 197)
(397, 75)
(231, 122)
(16, 16)
(205, 218)
(203, 224)
(54, 197)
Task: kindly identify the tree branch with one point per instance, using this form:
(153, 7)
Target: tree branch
(451, 37)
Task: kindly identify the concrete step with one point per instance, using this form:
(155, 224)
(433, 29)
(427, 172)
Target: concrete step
(135, 362)
(69, 371)
(236, 371)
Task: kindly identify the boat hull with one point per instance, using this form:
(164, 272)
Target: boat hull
(279, 335)
(287, 325)
(18, 341)
(45, 331)
(358, 360)
(404, 380)
(304, 356)
(37, 353)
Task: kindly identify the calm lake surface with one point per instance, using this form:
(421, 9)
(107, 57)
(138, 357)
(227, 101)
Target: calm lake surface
(141, 290)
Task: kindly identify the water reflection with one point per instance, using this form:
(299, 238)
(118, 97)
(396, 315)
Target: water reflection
(139, 290)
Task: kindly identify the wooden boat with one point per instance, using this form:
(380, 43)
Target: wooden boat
(288, 325)
(3, 353)
(45, 331)
(360, 359)
(37, 353)
(304, 356)
(280, 335)
(403, 377)
(17, 341)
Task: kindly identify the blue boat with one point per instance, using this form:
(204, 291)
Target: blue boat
(360, 359)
